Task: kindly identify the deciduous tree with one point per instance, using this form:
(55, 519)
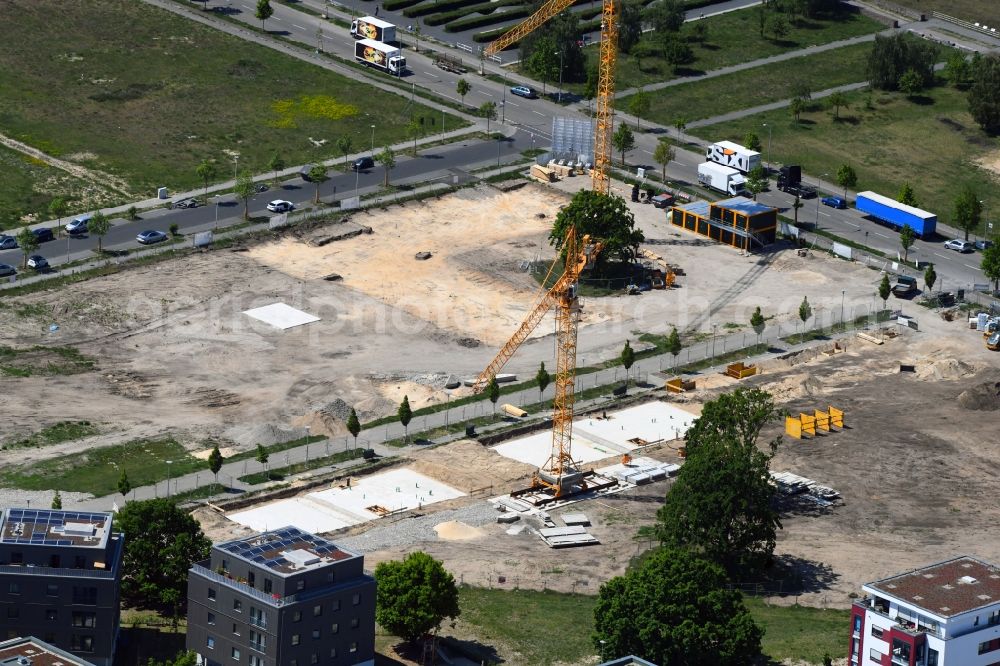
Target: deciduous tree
(805, 310)
(318, 176)
(387, 158)
(264, 11)
(666, 15)
(462, 88)
(276, 164)
(543, 378)
(405, 415)
(751, 141)
(990, 264)
(884, 289)
(757, 323)
(906, 239)
(675, 50)
(906, 195)
(911, 83)
(778, 25)
(721, 505)
(215, 462)
(623, 140)
(544, 60)
(124, 487)
(674, 345)
(57, 208)
(675, 608)
(891, 57)
(629, 25)
(28, 242)
(756, 181)
(847, 178)
(601, 216)
(838, 101)
(99, 225)
(57, 501)
(930, 277)
(262, 456)
(161, 544)
(639, 105)
(354, 426)
(344, 145)
(663, 155)
(627, 357)
(957, 70)
(493, 393)
(487, 110)
(984, 93)
(797, 105)
(414, 596)
(967, 210)
(245, 189)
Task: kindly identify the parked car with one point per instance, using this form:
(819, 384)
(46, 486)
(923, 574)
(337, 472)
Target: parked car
(8, 243)
(280, 206)
(663, 200)
(983, 244)
(261, 187)
(905, 286)
(958, 245)
(151, 236)
(6, 270)
(43, 234)
(834, 202)
(38, 263)
(362, 163)
(187, 203)
(524, 91)
(77, 225)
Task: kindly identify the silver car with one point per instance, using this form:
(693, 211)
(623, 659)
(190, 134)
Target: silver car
(8, 243)
(958, 245)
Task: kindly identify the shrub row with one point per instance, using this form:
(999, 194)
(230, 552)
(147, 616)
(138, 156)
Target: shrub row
(437, 6)
(393, 5)
(482, 7)
(478, 21)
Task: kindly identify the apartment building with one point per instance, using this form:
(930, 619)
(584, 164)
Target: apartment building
(945, 614)
(281, 598)
(60, 573)
(30, 651)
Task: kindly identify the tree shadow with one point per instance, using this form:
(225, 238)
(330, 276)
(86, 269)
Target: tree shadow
(472, 649)
(688, 71)
(800, 575)
(921, 100)
(848, 120)
(805, 122)
(709, 46)
(785, 43)
(138, 644)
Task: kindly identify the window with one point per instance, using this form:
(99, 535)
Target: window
(875, 656)
(335, 606)
(989, 646)
(14, 588)
(315, 634)
(250, 579)
(13, 612)
(211, 618)
(85, 596)
(334, 628)
(354, 646)
(225, 565)
(333, 653)
(81, 643)
(301, 585)
(55, 561)
(876, 631)
(256, 661)
(356, 599)
(257, 641)
(52, 590)
(210, 643)
(17, 558)
(295, 639)
(237, 605)
(51, 615)
(236, 654)
(79, 562)
(211, 593)
(317, 611)
(296, 616)
(314, 659)
(293, 662)
(86, 620)
(354, 623)
(267, 585)
(994, 617)
(329, 577)
(236, 629)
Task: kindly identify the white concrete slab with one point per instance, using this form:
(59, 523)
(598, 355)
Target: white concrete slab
(332, 509)
(281, 316)
(536, 449)
(651, 421)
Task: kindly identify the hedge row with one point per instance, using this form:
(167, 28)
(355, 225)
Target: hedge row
(437, 6)
(393, 5)
(482, 7)
(478, 21)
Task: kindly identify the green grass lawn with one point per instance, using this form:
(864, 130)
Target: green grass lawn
(933, 144)
(41, 360)
(734, 38)
(756, 86)
(97, 470)
(64, 431)
(550, 627)
(970, 10)
(146, 95)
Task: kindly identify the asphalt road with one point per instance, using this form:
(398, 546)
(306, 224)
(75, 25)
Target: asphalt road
(438, 163)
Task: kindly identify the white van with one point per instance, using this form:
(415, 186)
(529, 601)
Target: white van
(78, 225)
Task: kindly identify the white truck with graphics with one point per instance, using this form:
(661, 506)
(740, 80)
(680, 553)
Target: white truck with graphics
(721, 178)
(369, 27)
(733, 155)
(384, 57)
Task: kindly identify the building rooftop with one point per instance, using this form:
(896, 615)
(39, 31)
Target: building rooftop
(33, 652)
(49, 527)
(286, 550)
(745, 206)
(945, 589)
(696, 207)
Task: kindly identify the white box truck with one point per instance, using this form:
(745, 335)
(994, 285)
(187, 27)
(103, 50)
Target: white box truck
(721, 178)
(376, 54)
(733, 155)
(369, 27)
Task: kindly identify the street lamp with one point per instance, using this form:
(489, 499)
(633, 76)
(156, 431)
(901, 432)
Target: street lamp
(768, 146)
(715, 328)
(819, 181)
(559, 94)
(236, 166)
(168, 477)
(373, 141)
(503, 99)
(842, 293)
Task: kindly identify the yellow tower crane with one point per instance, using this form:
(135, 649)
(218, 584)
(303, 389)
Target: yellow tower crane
(603, 129)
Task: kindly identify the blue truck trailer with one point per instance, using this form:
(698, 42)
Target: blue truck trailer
(896, 215)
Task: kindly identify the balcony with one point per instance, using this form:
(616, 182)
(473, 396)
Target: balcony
(30, 570)
(901, 624)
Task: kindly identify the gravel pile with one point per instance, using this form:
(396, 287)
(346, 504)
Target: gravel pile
(338, 409)
(266, 434)
(407, 532)
(42, 499)
(984, 397)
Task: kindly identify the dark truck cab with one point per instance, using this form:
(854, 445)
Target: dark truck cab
(904, 286)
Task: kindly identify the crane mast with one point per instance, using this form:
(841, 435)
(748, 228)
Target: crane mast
(560, 474)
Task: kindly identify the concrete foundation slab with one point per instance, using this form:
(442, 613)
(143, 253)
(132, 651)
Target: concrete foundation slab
(281, 316)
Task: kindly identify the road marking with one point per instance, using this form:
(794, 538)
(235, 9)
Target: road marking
(297, 26)
(488, 94)
(512, 104)
(824, 213)
(938, 254)
(538, 112)
(975, 268)
(882, 235)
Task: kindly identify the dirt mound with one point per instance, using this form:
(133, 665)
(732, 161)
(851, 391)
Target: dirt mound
(983, 397)
(266, 434)
(470, 466)
(944, 368)
(453, 530)
(337, 409)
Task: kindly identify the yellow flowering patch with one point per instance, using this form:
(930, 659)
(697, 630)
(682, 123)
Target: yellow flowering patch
(286, 111)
